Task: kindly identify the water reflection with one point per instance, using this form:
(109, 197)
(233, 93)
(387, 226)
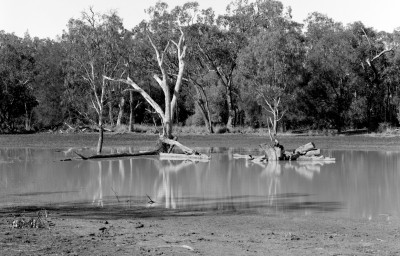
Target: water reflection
(360, 183)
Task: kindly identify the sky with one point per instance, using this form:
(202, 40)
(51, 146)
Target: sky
(48, 18)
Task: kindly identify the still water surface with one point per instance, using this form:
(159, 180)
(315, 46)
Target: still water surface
(362, 184)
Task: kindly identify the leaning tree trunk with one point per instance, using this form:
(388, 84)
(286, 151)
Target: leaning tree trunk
(205, 113)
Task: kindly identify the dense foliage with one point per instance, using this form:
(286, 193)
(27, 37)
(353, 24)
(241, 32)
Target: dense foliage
(252, 66)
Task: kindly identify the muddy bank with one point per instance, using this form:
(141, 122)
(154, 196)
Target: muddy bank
(150, 231)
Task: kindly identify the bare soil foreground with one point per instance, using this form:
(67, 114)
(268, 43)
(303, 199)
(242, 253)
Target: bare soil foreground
(111, 230)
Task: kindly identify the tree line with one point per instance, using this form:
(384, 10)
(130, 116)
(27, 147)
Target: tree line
(251, 66)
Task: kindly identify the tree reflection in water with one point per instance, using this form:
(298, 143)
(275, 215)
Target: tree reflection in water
(165, 190)
(98, 193)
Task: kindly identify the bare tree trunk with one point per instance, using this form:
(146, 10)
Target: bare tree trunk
(121, 110)
(101, 135)
(209, 123)
(168, 111)
(131, 117)
(231, 113)
(110, 110)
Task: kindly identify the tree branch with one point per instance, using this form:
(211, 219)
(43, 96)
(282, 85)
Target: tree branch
(145, 95)
(380, 54)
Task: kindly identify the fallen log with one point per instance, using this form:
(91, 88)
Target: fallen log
(146, 153)
(164, 145)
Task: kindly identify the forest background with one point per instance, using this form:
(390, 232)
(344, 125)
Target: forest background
(252, 67)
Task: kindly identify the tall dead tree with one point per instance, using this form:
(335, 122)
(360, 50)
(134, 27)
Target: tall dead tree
(170, 101)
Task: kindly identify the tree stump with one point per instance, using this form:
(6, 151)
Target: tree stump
(270, 152)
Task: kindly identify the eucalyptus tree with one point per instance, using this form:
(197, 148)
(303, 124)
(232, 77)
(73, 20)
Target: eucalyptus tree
(198, 76)
(165, 35)
(330, 58)
(17, 74)
(270, 67)
(49, 88)
(221, 43)
(93, 46)
(373, 52)
(392, 81)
